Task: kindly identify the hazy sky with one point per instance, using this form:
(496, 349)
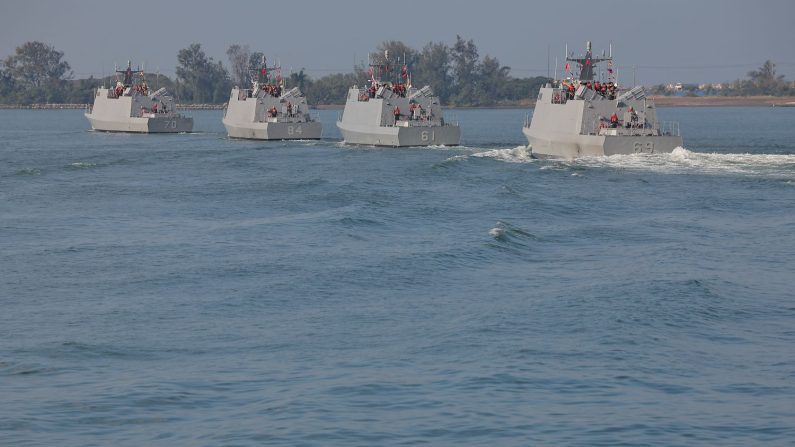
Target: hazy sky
(669, 41)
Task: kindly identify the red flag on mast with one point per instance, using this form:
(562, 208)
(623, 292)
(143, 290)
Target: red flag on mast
(567, 66)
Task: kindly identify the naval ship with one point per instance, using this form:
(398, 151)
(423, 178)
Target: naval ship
(588, 116)
(266, 111)
(393, 113)
(130, 106)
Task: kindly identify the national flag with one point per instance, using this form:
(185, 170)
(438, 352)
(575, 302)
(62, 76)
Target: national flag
(588, 62)
(610, 70)
(264, 71)
(567, 67)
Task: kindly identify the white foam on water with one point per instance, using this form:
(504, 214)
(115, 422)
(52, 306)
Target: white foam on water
(680, 152)
(457, 158)
(683, 162)
(679, 162)
(518, 154)
(83, 165)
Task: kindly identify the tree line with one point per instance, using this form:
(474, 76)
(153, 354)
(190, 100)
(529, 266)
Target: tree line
(761, 82)
(37, 73)
(456, 73)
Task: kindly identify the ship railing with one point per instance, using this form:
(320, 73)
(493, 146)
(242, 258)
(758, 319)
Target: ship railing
(419, 123)
(669, 128)
(285, 119)
(527, 119)
(314, 116)
(340, 112)
(89, 109)
(450, 120)
(642, 130)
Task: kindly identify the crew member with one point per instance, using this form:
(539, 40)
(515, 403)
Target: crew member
(397, 114)
(614, 120)
(411, 110)
(633, 118)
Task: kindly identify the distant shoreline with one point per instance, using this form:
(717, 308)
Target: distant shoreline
(661, 101)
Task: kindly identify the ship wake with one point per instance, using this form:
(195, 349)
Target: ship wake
(518, 154)
(684, 162)
(679, 162)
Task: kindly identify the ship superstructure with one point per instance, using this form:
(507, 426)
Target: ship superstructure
(131, 106)
(588, 114)
(389, 111)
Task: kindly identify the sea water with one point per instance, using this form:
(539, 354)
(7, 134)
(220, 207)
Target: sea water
(193, 290)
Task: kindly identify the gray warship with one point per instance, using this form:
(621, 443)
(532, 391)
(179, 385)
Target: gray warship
(393, 113)
(130, 106)
(266, 111)
(587, 117)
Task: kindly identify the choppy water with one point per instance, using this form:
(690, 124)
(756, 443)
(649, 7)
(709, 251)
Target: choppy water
(193, 290)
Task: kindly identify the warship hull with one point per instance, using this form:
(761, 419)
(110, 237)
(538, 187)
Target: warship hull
(274, 131)
(400, 136)
(562, 145)
(587, 116)
(249, 115)
(158, 124)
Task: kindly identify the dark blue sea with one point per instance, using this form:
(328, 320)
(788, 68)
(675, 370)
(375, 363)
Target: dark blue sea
(192, 290)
